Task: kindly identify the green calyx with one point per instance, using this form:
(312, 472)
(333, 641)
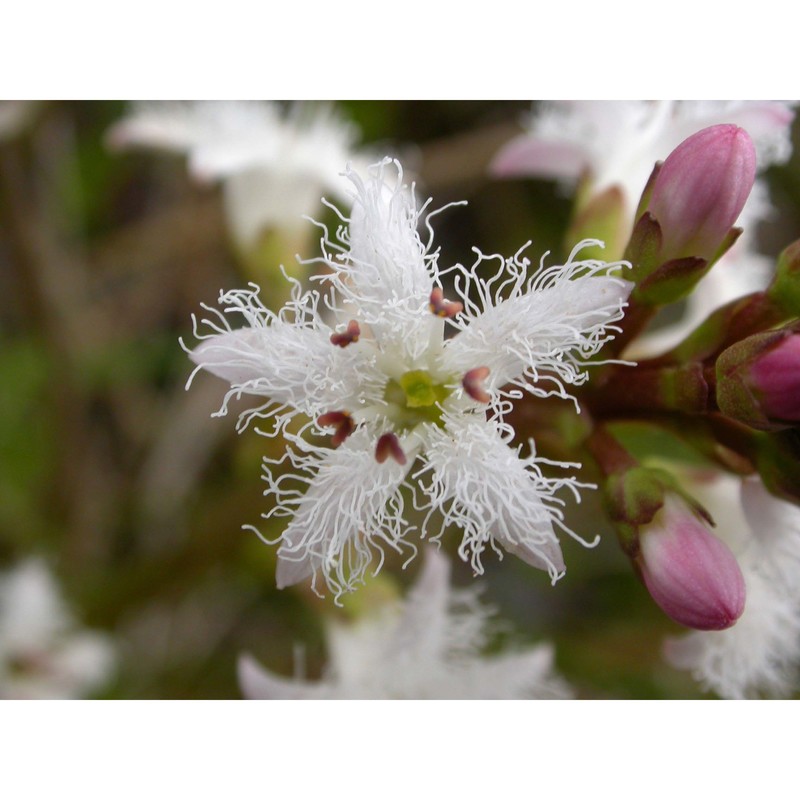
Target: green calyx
(416, 398)
(636, 495)
(785, 287)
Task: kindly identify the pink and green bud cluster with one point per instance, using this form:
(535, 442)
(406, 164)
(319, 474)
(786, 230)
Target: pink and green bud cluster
(758, 380)
(701, 189)
(690, 573)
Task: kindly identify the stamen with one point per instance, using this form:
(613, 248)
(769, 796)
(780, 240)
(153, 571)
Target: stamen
(350, 335)
(442, 307)
(389, 445)
(473, 384)
(340, 420)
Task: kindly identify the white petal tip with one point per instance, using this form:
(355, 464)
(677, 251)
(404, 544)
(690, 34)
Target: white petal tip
(288, 573)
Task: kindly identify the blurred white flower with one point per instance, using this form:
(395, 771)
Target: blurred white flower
(760, 654)
(428, 647)
(273, 164)
(394, 389)
(618, 143)
(43, 653)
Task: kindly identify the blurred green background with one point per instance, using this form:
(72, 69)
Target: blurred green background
(136, 495)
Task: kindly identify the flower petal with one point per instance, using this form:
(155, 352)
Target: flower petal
(350, 511)
(288, 359)
(479, 483)
(528, 674)
(170, 126)
(258, 683)
(385, 274)
(310, 142)
(422, 626)
(775, 523)
(32, 613)
(540, 158)
(257, 200)
(542, 335)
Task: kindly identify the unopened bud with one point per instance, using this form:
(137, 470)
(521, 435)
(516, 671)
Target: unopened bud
(784, 290)
(758, 380)
(776, 378)
(689, 572)
(701, 189)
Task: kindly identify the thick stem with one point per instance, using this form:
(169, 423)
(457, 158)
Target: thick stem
(609, 454)
(684, 388)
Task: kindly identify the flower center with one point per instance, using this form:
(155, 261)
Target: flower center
(413, 398)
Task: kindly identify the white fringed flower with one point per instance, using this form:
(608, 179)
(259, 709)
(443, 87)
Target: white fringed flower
(618, 144)
(274, 164)
(43, 654)
(760, 654)
(429, 647)
(410, 409)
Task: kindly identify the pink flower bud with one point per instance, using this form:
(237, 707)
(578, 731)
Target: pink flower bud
(758, 380)
(701, 189)
(688, 571)
(775, 380)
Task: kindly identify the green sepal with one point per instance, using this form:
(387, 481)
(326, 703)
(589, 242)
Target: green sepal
(671, 281)
(643, 248)
(658, 282)
(634, 496)
(644, 200)
(731, 237)
(784, 290)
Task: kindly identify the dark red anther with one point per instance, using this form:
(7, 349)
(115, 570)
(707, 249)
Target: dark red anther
(389, 445)
(349, 336)
(473, 384)
(340, 420)
(442, 307)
